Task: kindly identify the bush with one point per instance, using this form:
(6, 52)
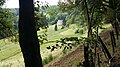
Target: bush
(78, 64)
(56, 27)
(64, 51)
(50, 58)
(79, 31)
(47, 59)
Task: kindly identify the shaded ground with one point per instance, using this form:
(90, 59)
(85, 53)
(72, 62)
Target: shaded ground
(115, 61)
(70, 60)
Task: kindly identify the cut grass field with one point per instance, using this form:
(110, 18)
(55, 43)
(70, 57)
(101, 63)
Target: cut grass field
(10, 53)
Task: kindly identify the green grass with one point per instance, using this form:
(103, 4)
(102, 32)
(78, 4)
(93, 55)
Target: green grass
(48, 59)
(9, 49)
(10, 53)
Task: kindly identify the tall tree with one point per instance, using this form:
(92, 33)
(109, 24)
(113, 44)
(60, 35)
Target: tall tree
(6, 21)
(28, 35)
(94, 13)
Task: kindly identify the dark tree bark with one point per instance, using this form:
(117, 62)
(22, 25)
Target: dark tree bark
(86, 62)
(113, 42)
(98, 60)
(116, 29)
(86, 47)
(91, 59)
(28, 35)
(88, 18)
(105, 48)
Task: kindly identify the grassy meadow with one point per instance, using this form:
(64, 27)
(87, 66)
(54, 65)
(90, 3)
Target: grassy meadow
(11, 56)
(10, 53)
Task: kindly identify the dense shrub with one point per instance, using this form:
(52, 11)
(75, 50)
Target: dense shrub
(81, 31)
(48, 59)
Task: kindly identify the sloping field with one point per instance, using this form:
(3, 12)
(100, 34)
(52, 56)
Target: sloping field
(10, 53)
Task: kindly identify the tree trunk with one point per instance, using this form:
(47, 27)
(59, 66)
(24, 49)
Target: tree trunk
(98, 60)
(116, 29)
(113, 42)
(88, 18)
(28, 35)
(86, 54)
(105, 48)
(86, 62)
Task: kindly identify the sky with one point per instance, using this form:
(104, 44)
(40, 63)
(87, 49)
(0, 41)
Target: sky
(15, 3)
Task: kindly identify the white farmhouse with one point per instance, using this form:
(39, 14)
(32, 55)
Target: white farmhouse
(60, 22)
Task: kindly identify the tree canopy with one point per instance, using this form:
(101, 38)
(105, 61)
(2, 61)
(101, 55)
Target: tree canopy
(6, 21)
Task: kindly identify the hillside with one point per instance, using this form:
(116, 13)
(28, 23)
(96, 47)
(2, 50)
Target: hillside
(76, 57)
(10, 52)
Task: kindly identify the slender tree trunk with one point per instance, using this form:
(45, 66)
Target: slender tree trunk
(88, 19)
(112, 41)
(28, 35)
(91, 59)
(86, 47)
(116, 29)
(86, 62)
(105, 48)
(95, 48)
(98, 59)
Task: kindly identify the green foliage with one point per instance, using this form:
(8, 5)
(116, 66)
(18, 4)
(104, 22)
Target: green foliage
(42, 36)
(81, 31)
(69, 21)
(65, 43)
(74, 12)
(52, 14)
(48, 59)
(45, 61)
(95, 12)
(64, 51)
(14, 38)
(78, 64)
(40, 16)
(6, 23)
(113, 11)
(2, 2)
(41, 21)
(55, 13)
